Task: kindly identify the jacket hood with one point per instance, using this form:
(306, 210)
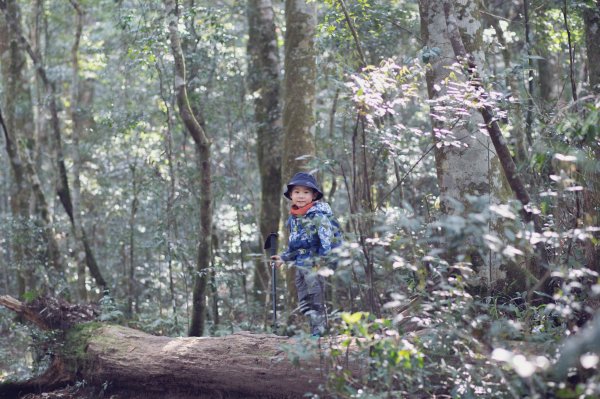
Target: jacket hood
(320, 207)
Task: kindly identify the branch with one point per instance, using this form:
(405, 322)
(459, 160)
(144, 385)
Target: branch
(49, 313)
(400, 181)
(529, 117)
(354, 34)
(185, 109)
(571, 56)
(22, 310)
(9, 142)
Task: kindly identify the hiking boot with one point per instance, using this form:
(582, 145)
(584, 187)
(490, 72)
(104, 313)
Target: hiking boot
(318, 323)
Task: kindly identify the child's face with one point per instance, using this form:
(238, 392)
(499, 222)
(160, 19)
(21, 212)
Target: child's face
(302, 196)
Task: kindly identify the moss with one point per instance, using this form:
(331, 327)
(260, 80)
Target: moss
(76, 342)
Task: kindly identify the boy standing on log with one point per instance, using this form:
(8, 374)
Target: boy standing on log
(312, 235)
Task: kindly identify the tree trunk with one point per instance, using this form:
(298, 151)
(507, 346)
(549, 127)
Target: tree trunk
(15, 97)
(471, 167)
(203, 145)
(263, 82)
(172, 228)
(16, 132)
(214, 289)
(549, 77)
(62, 184)
(79, 103)
(591, 17)
(591, 194)
(132, 289)
(242, 365)
(299, 98)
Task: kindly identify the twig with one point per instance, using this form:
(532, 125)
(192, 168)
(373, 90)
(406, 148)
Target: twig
(571, 57)
(529, 117)
(399, 182)
(354, 34)
(4, 129)
(413, 34)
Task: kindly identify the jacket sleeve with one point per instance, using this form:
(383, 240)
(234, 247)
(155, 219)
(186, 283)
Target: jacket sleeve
(325, 232)
(288, 255)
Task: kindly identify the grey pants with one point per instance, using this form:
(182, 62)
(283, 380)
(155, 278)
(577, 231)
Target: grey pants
(311, 298)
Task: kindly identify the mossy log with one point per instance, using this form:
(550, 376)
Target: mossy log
(241, 365)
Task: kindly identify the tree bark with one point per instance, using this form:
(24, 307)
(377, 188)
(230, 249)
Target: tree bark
(471, 167)
(591, 194)
(299, 98)
(264, 82)
(78, 120)
(591, 18)
(172, 228)
(203, 145)
(549, 77)
(132, 289)
(242, 365)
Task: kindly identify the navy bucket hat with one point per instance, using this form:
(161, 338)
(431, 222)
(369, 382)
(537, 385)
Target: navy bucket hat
(303, 179)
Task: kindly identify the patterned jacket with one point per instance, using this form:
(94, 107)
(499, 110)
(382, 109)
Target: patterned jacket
(310, 236)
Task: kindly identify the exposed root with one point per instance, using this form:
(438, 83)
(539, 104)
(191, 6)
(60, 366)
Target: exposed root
(49, 313)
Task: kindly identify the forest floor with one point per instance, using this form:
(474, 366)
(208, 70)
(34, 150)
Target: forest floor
(73, 392)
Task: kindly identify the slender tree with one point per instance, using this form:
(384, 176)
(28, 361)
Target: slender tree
(132, 291)
(548, 69)
(15, 133)
(171, 224)
(78, 125)
(299, 97)
(15, 97)
(264, 83)
(591, 194)
(62, 182)
(362, 196)
(203, 145)
(591, 18)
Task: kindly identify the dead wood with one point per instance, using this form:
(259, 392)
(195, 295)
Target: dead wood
(126, 360)
(49, 313)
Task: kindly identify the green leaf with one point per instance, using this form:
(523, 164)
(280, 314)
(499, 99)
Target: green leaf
(353, 318)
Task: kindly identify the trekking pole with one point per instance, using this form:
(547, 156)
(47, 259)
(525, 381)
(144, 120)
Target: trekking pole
(271, 245)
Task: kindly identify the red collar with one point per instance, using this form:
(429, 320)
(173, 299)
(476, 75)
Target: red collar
(294, 210)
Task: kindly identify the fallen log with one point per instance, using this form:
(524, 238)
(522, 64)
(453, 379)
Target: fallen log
(244, 364)
(241, 365)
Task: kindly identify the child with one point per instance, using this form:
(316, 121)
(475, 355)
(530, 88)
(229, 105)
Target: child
(310, 240)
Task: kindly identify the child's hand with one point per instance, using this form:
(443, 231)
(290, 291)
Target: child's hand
(278, 261)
